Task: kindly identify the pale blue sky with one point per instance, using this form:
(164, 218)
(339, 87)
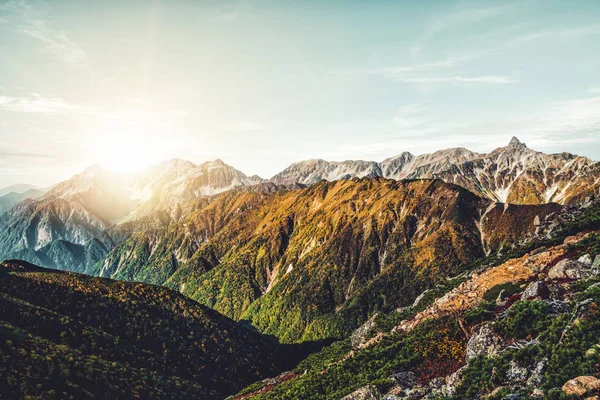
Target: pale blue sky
(261, 84)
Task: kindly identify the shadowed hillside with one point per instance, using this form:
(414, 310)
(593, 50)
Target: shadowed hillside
(65, 335)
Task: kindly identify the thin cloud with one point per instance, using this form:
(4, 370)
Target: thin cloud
(484, 79)
(33, 23)
(417, 73)
(468, 15)
(35, 104)
(16, 154)
(565, 33)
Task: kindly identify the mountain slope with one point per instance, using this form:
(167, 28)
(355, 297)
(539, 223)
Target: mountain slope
(19, 188)
(312, 263)
(79, 220)
(11, 199)
(511, 174)
(525, 326)
(65, 334)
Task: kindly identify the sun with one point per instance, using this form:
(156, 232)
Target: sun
(127, 141)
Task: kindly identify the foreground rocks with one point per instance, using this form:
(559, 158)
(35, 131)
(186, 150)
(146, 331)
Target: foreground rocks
(365, 393)
(570, 269)
(582, 385)
(485, 342)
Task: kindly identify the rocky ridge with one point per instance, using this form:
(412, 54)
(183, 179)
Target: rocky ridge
(511, 174)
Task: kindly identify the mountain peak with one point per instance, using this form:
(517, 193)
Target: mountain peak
(514, 142)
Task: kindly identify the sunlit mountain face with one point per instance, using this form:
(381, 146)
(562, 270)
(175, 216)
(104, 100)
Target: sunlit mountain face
(299, 200)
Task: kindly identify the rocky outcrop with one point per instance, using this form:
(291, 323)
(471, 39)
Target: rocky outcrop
(470, 293)
(485, 342)
(581, 385)
(365, 393)
(536, 290)
(406, 380)
(557, 307)
(536, 378)
(362, 334)
(516, 374)
(569, 269)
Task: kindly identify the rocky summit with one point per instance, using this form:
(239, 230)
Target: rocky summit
(511, 174)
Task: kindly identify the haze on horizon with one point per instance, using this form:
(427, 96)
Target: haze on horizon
(262, 84)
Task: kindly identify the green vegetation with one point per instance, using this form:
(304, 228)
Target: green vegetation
(577, 354)
(64, 335)
(435, 348)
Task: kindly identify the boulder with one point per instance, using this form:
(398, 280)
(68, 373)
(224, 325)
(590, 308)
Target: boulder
(581, 385)
(585, 259)
(406, 380)
(416, 393)
(537, 394)
(513, 396)
(516, 373)
(485, 342)
(536, 290)
(453, 381)
(369, 392)
(394, 393)
(569, 269)
(557, 307)
(361, 334)
(536, 379)
(596, 266)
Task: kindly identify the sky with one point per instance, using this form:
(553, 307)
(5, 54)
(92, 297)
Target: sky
(262, 84)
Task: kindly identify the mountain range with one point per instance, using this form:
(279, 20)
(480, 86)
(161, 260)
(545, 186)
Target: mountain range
(78, 221)
(511, 174)
(198, 280)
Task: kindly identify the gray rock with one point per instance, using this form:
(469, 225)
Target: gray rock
(536, 290)
(569, 269)
(596, 266)
(437, 387)
(453, 381)
(406, 380)
(361, 334)
(536, 379)
(416, 393)
(585, 260)
(485, 342)
(516, 373)
(513, 396)
(557, 307)
(369, 392)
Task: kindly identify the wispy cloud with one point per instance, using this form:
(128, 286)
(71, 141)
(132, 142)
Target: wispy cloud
(35, 103)
(33, 22)
(468, 15)
(559, 33)
(19, 155)
(483, 79)
(555, 126)
(421, 73)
